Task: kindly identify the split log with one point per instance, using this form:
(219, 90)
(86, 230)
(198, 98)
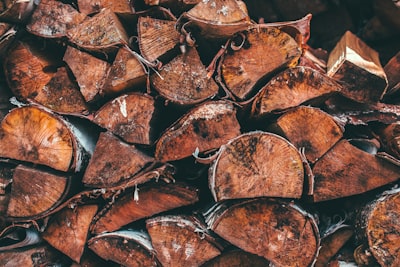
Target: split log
(346, 170)
(237, 257)
(72, 225)
(157, 38)
(34, 193)
(15, 237)
(392, 74)
(184, 80)
(390, 138)
(259, 52)
(52, 19)
(310, 128)
(280, 231)
(91, 259)
(257, 164)
(16, 11)
(89, 7)
(113, 162)
(291, 88)
(143, 202)
(8, 34)
(5, 97)
(358, 68)
(182, 240)
(207, 126)
(6, 174)
(126, 72)
(34, 135)
(103, 32)
(126, 247)
(131, 118)
(378, 228)
(90, 72)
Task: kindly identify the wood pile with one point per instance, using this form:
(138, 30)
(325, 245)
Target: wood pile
(200, 133)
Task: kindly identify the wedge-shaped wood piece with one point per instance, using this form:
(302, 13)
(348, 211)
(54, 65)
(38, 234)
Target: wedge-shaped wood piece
(31, 77)
(280, 231)
(291, 88)
(34, 135)
(129, 116)
(378, 227)
(156, 37)
(52, 19)
(346, 170)
(149, 199)
(125, 73)
(358, 68)
(237, 257)
(219, 18)
(127, 247)
(207, 126)
(42, 255)
(95, 6)
(257, 164)
(182, 240)
(184, 80)
(113, 162)
(16, 11)
(263, 51)
(90, 72)
(392, 72)
(103, 32)
(34, 193)
(310, 128)
(68, 230)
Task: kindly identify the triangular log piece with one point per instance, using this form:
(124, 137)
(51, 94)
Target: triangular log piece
(392, 72)
(113, 161)
(262, 52)
(52, 19)
(237, 257)
(35, 192)
(310, 128)
(42, 255)
(127, 247)
(207, 126)
(143, 202)
(156, 37)
(291, 88)
(331, 242)
(257, 164)
(280, 231)
(182, 240)
(129, 116)
(358, 68)
(102, 33)
(16, 11)
(377, 226)
(95, 6)
(346, 170)
(34, 135)
(125, 73)
(68, 230)
(90, 72)
(184, 80)
(219, 18)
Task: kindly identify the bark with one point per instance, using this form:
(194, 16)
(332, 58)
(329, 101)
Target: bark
(15, 11)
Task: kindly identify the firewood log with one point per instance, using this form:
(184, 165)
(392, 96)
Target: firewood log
(257, 164)
(207, 126)
(90, 6)
(280, 231)
(70, 225)
(236, 257)
(132, 117)
(52, 19)
(182, 240)
(126, 247)
(392, 74)
(8, 33)
(377, 227)
(390, 135)
(143, 202)
(16, 11)
(35, 135)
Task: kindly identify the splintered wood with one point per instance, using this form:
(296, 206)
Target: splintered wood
(209, 133)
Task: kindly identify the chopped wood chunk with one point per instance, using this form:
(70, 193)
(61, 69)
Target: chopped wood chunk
(392, 73)
(16, 11)
(257, 164)
(390, 136)
(207, 126)
(237, 257)
(95, 6)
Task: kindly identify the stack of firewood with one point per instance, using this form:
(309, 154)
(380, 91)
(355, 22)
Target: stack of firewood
(199, 133)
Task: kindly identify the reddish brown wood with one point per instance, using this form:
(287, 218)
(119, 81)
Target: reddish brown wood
(390, 138)
(95, 6)
(144, 202)
(257, 164)
(393, 76)
(237, 257)
(131, 118)
(207, 126)
(16, 11)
